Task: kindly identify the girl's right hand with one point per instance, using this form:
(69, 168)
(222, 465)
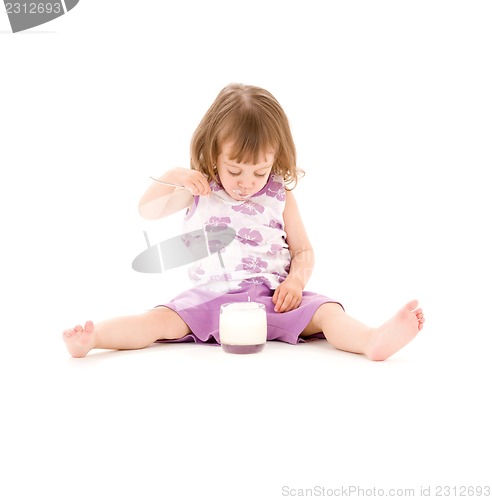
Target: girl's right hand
(193, 180)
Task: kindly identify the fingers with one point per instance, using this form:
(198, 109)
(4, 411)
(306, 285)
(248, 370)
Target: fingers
(285, 301)
(190, 179)
(197, 184)
(198, 189)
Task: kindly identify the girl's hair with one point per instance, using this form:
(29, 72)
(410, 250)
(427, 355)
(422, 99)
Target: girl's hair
(253, 120)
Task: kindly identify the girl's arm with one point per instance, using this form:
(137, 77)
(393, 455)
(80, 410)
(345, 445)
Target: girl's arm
(160, 200)
(288, 294)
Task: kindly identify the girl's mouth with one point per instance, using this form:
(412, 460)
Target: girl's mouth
(240, 194)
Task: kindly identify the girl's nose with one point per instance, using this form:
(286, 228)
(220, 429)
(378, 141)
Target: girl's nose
(246, 182)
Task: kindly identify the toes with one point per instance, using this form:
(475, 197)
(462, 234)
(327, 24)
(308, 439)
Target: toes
(414, 309)
(76, 331)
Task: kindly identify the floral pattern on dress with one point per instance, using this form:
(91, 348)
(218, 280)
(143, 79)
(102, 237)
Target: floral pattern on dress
(215, 246)
(215, 224)
(249, 236)
(214, 186)
(189, 238)
(246, 238)
(278, 276)
(257, 280)
(220, 277)
(252, 265)
(276, 190)
(275, 224)
(196, 273)
(249, 208)
(275, 249)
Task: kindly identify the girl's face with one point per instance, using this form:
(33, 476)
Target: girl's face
(242, 180)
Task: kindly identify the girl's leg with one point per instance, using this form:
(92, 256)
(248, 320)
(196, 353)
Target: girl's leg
(348, 334)
(127, 332)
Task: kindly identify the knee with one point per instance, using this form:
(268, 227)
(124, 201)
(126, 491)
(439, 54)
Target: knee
(158, 312)
(167, 323)
(159, 316)
(328, 309)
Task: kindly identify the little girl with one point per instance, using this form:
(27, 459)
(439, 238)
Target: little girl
(243, 160)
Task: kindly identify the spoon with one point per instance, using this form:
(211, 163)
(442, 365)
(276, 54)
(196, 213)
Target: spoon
(237, 191)
(168, 183)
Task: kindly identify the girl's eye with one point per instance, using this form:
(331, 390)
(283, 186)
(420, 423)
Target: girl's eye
(235, 174)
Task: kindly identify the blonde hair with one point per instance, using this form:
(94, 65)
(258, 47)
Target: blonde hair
(253, 120)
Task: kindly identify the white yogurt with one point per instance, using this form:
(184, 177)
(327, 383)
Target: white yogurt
(242, 324)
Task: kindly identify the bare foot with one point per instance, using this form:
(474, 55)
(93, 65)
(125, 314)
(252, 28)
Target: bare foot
(396, 332)
(80, 340)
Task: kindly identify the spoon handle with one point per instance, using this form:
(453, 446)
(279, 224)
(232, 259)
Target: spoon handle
(168, 183)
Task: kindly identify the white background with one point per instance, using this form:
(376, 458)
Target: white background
(390, 106)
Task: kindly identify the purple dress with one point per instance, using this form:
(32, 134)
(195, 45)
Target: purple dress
(248, 269)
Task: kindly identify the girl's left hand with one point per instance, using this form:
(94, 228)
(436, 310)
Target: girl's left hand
(287, 296)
